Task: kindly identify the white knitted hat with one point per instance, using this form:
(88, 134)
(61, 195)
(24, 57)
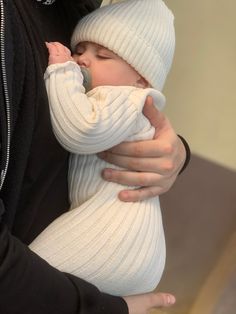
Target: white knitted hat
(139, 31)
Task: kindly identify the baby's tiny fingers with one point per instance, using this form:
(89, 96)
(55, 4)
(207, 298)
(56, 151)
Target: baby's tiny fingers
(67, 51)
(52, 48)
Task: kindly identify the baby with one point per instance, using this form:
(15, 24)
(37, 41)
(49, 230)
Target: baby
(127, 48)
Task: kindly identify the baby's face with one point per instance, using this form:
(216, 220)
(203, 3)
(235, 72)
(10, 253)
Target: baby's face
(105, 67)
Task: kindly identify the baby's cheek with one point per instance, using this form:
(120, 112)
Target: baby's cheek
(100, 78)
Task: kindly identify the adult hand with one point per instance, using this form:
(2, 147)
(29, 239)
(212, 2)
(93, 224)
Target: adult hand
(153, 164)
(143, 303)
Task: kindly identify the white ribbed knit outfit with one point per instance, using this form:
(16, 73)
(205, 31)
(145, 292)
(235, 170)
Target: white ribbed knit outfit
(118, 246)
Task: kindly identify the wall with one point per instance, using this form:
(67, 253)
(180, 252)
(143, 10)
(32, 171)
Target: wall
(201, 103)
(200, 90)
(201, 98)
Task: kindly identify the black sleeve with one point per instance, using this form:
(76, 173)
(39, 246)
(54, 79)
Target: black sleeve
(31, 286)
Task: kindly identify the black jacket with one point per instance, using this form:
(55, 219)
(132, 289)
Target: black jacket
(34, 166)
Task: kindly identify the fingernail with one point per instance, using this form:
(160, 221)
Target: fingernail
(124, 196)
(170, 299)
(107, 174)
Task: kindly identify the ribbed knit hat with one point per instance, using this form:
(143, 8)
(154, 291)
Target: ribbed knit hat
(139, 31)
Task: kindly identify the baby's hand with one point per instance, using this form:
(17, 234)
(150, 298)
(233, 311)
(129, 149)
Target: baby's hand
(58, 53)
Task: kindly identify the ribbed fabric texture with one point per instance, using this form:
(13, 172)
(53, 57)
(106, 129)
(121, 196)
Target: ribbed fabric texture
(120, 247)
(139, 31)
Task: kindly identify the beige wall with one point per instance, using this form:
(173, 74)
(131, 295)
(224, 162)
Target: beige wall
(201, 88)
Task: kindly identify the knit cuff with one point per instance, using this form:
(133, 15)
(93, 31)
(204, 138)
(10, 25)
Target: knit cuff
(188, 153)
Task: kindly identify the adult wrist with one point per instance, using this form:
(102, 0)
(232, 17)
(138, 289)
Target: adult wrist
(188, 153)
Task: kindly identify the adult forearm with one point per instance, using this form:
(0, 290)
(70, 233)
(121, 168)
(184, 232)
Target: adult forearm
(29, 285)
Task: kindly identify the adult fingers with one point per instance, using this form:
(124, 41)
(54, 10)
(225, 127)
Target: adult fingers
(147, 148)
(141, 304)
(163, 166)
(151, 184)
(154, 116)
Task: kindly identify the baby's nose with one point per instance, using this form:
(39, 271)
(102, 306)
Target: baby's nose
(82, 60)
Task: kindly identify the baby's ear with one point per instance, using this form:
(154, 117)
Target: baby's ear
(142, 83)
